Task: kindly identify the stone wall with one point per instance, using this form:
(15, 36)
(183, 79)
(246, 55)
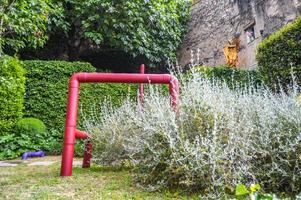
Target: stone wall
(215, 22)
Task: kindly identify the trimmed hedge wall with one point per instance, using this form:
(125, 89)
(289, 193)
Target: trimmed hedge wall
(12, 89)
(46, 94)
(233, 77)
(278, 54)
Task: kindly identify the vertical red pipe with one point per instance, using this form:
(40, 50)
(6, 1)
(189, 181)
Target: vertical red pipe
(174, 91)
(70, 127)
(141, 86)
(87, 154)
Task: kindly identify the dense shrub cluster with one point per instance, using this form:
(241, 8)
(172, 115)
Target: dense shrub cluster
(30, 134)
(12, 89)
(46, 94)
(233, 77)
(280, 54)
(221, 137)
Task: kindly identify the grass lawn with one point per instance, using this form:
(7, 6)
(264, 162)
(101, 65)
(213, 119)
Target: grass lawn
(44, 182)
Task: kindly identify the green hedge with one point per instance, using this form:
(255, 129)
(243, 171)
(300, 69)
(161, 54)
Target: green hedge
(233, 77)
(12, 89)
(278, 54)
(46, 94)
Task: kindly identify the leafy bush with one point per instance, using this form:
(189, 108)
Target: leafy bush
(46, 94)
(31, 133)
(31, 127)
(12, 89)
(221, 138)
(233, 77)
(280, 54)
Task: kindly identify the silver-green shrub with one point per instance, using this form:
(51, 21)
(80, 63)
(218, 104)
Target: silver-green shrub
(219, 138)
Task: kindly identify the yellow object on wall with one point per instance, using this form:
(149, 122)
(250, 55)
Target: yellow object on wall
(231, 52)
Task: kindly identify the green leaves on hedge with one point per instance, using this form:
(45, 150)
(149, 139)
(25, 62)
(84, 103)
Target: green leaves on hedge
(279, 55)
(12, 89)
(233, 77)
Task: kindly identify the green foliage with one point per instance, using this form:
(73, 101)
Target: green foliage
(241, 190)
(254, 193)
(142, 28)
(29, 135)
(46, 94)
(30, 126)
(12, 89)
(231, 76)
(23, 23)
(280, 54)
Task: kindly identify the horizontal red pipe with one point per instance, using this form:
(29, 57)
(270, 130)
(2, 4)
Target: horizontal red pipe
(81, 134)
(121, 78)
(141, 87)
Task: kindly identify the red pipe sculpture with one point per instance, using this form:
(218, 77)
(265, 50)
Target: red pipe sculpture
(71, 133)
(141, 86)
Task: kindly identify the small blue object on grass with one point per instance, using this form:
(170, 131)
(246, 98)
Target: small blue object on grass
(33, 154)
